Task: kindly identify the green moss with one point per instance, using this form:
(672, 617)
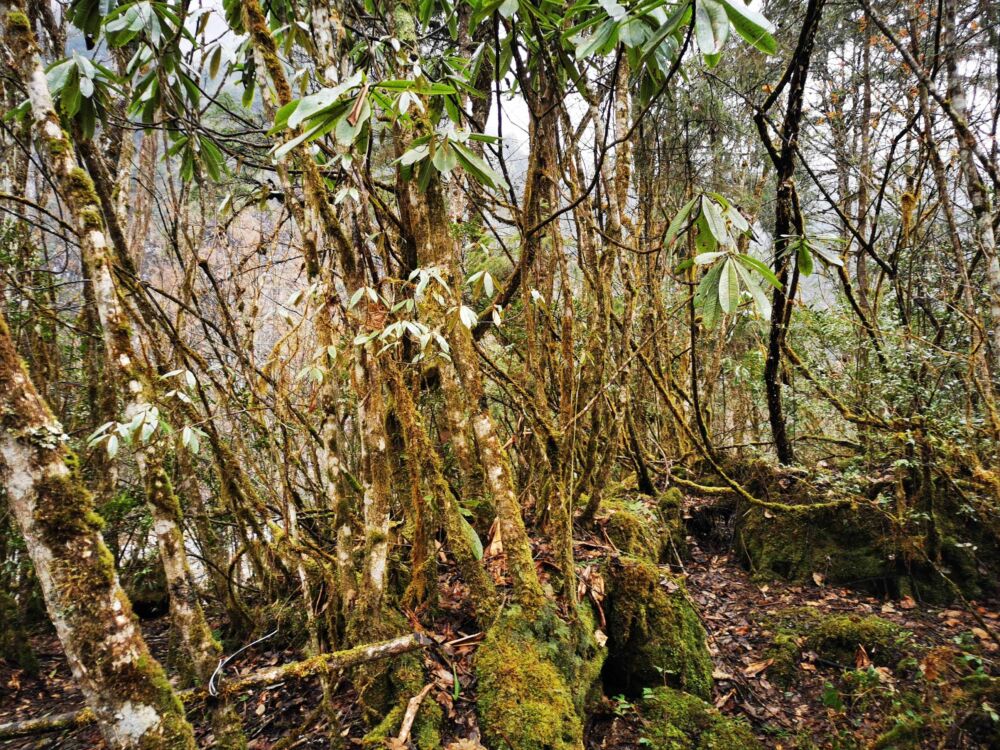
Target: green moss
(64, 509)
(670, 508)
(79, 191)
(845, 545)
(425, 733)
(632, 528)
(524, 701)
(835, 638)
(654, 634)
(905, 733)
(20, 36)
(786, 651)
(673, 720)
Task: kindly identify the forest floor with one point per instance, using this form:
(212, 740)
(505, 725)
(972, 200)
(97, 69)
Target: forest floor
(807, 709)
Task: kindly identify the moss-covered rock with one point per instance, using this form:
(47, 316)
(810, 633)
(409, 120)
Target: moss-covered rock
(679, 721)
(633, 528)
(651, 531)
(654, 634)
(669, 506)
(834, 638)
(524, 701)
(849, 545)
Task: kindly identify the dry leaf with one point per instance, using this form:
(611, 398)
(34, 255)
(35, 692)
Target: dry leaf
(600, 637)
(907, 603)
(464, 744)
(720, 674)
(861, 660)
(818, 578)
(724, 699)
(757, 667)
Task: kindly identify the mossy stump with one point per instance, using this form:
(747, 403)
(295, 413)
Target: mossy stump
(651, 532)
(673, 720)
(654, 635)
(536, 676)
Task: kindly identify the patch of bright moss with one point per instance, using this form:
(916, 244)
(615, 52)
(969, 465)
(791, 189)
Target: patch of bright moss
(654, 634)
(631, 527)
(835, 638)
(535, 677)
(678, 721)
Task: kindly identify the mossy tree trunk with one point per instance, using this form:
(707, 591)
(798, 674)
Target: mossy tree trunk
(124, 686)
(84, 204)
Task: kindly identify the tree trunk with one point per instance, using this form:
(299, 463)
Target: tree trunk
(122, 684)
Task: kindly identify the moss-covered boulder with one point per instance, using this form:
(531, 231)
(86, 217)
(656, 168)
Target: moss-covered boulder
(845, 545)
(834, 638)
(535, 676)
(632, 527)
(654, 634)
(638, 527)
(673, 720)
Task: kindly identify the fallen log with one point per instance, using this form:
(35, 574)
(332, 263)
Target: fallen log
(321, 664)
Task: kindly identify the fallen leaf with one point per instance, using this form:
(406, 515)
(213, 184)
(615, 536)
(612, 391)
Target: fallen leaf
(818, 578)
(757, 667)
(720, 674)
(724, 699)
(907, 603)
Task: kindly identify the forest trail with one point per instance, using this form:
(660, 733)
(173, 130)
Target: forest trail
(739, 615)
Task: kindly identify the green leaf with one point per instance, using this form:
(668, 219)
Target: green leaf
(711, 27)
(473, 538)
(289, 145)
(760, 299)
(754, 264)
(444, 159)
(602, 39)
(315, 103)
(704, 241)
(508, 8)
(678, 221)
(751, 25)
(736, 218)
(415, 154)
(729, 287)
(707, 258)
(805, 258)
(713, 218)
(707, 296)
(475, 165)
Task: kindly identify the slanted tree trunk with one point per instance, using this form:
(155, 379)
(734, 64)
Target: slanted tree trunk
(122, 684)
(85, 208)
